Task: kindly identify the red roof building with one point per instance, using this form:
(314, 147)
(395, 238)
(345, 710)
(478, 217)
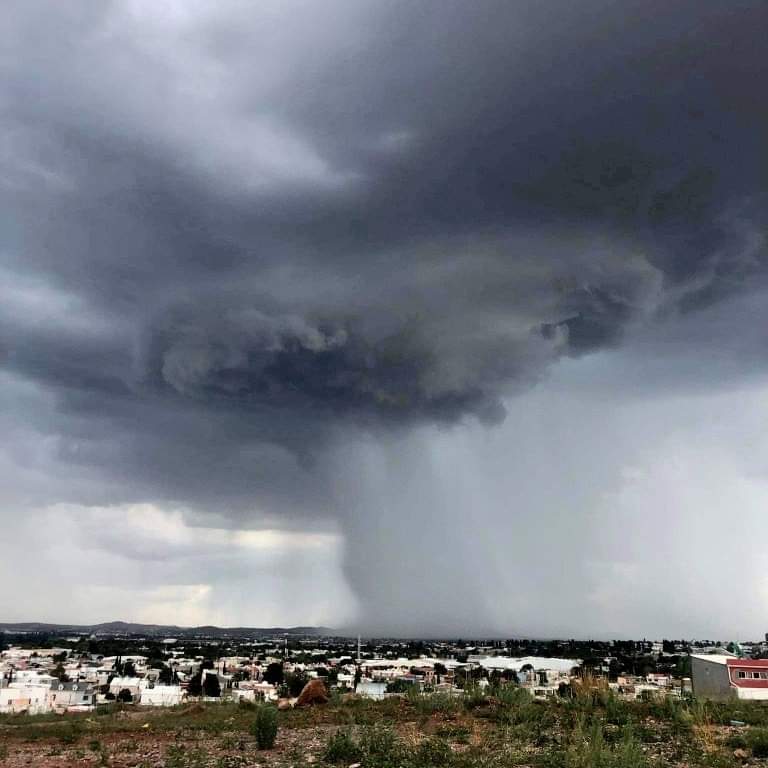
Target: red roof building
(727, 677)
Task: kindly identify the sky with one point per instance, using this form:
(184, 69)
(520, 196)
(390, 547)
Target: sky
(417, 319)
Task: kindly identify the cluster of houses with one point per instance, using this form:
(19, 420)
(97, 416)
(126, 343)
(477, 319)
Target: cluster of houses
(45, 680)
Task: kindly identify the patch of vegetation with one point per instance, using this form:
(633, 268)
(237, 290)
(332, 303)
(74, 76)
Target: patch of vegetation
(71, 732)
(454, 732)
(342, 748)
(499, 727)
(757, 740)
(178, 756)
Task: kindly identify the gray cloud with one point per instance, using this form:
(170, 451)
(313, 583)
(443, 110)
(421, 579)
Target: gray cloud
(237, 240)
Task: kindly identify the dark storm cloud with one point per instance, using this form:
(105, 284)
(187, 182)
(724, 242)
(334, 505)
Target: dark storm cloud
(234, 235)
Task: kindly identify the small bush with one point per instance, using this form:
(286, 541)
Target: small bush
(265, 726)
(758, 742)
(433, 703)
(342, 748)
(381, 748)
(431, 752)
(628, 753)
(474, 697)
(459, 733)
(72, 732)
(617, 712)
(736, 741)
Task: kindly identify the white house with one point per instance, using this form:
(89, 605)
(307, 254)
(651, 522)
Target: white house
(161, 696)
(131, 684)
(62, 696)
(371, 689)
(20, 697)
(259, 690)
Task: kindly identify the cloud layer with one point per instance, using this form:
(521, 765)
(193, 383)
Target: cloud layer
(263, 264)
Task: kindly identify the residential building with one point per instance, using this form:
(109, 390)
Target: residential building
(20, 697)
(64, 696)
(717, 676)
(161, 696)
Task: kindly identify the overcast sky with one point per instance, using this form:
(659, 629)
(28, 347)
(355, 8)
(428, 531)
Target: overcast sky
(418, 318)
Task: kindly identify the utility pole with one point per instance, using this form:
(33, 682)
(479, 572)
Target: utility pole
(358, 649)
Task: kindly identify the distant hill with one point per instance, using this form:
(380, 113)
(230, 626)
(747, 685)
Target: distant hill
(159, 630)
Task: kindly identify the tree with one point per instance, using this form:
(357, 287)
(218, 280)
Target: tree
(129, 669)
(399, 686)
(211, 685)
(195, 687)
(274, 673)
(296, 682)
(166, 676)
(125, 696)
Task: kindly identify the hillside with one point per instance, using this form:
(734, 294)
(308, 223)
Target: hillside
(508, 728)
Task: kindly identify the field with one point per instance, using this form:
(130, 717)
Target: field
(505, 728)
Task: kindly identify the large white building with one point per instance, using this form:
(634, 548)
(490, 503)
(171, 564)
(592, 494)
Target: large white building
(161, 696)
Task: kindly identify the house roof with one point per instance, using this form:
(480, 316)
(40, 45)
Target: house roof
(713, 658)
(749, 666)
(72, 686)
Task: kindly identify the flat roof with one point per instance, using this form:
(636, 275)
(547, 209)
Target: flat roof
(713, 658)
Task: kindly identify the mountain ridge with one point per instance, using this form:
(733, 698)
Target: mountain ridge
(135, 628)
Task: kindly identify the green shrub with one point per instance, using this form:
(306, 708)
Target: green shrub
(589, 749)
(71, 732)
(265, 726)
(342, 748)
(474, 697)
(458, 733)
(381, 748)
(513, 696)
(431, 752)
(757, 739)
(736, 741)
(432, 703)
(628, 753)
(617, 712)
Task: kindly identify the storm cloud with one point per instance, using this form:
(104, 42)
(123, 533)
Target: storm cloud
(303, 267)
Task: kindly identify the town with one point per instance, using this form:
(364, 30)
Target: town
(42, 673)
